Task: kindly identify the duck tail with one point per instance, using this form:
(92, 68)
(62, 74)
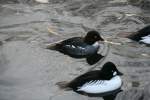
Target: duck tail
(63, 85)
(53, 46)
(93, 59)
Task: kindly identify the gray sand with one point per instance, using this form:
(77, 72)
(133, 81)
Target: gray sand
(28, 71)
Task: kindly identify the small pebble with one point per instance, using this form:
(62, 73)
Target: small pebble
(42, 1)
(135, 84)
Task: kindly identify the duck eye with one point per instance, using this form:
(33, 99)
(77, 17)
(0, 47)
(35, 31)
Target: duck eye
(95, 36)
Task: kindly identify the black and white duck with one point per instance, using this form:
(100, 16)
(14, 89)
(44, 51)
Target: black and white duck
(97, 82)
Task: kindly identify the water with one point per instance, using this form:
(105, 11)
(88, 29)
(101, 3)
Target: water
(29, 72)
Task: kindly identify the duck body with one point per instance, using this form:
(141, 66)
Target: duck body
(98, 82)
(81, 47)
(76, 47)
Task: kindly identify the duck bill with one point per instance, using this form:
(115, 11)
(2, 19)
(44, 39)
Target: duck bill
(119, 73)
(101, 39)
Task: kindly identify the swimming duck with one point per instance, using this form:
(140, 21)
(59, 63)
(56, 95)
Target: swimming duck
(141, 36)
(81, 47)
(98, 82)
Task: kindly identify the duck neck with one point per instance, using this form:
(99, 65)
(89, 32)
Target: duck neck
(89, 41)
(96, 44)
(106, 76)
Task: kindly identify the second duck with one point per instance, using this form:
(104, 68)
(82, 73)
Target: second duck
(81, 47)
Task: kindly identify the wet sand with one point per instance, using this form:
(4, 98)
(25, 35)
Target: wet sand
(28, 71)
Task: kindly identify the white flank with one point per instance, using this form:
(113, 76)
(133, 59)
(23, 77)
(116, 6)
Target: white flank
(101, 86)
(146, 39)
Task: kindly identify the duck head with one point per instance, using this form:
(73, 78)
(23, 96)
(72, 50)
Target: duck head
(109, 70)
(92, 37)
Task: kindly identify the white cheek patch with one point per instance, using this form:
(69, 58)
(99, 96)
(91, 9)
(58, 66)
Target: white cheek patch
(101, 86)
(115, 73)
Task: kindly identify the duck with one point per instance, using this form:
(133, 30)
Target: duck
(81, 47)
(106, 81)
(142, 36)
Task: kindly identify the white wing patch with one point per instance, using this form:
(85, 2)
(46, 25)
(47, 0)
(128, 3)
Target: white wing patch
(93, 82)
(101, 86)
(81, 47)
(146, 39)
(72, 46)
